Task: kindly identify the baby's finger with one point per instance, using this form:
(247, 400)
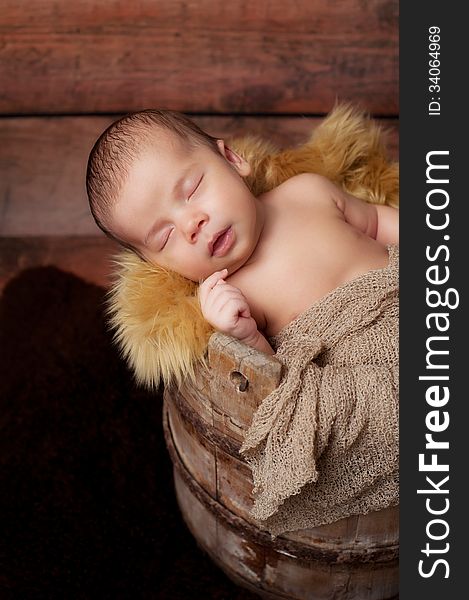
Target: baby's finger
(236, 296)
(211, 281)
(222, 290)
(218, 299)
(245, 312)
(214, 278)
(230, 298)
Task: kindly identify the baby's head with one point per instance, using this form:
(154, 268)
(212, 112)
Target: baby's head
(164, 188)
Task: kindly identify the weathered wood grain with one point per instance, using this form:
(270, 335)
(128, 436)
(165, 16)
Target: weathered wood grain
(43, 165)
(332, 561)
(42, 176)
(196, 452)
(209, 449)
(242, 57)
(107, 16)
(240, 379)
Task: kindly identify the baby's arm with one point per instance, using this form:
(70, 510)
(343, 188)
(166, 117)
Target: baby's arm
(225, 307)
(378, 221)
(388, 224)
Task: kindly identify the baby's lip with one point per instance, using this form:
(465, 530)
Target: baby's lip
(215, 237)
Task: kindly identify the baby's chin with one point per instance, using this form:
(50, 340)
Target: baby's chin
(202, 276)
(199, 275)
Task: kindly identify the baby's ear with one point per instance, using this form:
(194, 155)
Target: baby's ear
(237, 161)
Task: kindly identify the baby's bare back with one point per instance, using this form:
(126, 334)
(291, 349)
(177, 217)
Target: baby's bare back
(307, 249)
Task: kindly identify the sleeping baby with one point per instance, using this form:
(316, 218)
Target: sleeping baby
(305, 271)
(176, 196)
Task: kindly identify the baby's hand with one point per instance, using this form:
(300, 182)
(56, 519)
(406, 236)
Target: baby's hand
(225, 307)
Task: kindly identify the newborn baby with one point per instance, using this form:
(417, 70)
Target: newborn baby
(175, 195)
(306, 265)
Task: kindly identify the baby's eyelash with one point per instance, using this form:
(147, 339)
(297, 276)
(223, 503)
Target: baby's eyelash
(166, 239)
(196, 187)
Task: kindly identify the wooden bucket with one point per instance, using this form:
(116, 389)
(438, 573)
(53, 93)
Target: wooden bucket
(354, 558)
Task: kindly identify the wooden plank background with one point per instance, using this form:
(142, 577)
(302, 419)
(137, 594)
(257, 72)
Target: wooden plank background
(67, 69)
(268, 56)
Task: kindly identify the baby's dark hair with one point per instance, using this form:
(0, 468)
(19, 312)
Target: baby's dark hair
(120, 144)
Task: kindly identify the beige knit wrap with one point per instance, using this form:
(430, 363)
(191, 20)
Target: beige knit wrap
(324, 445)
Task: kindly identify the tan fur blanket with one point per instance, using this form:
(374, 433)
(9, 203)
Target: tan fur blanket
(324, 445)
(155, 313)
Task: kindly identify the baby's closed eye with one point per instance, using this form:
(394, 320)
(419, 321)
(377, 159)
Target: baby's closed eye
(194, 187)
(163, 237)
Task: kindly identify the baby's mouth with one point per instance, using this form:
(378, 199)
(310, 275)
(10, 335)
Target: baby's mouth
(222, 242)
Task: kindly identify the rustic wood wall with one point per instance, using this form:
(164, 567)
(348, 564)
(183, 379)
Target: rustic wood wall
(67, 69)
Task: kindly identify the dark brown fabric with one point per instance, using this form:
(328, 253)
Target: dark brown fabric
(87, 508)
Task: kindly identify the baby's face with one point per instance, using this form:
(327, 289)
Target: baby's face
(189, 210)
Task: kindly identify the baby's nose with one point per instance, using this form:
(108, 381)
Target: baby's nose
(194, 225)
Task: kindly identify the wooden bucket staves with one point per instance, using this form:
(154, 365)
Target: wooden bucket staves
(352, 559)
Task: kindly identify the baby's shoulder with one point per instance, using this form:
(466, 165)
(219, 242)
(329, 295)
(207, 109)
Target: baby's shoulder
(305, 189)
